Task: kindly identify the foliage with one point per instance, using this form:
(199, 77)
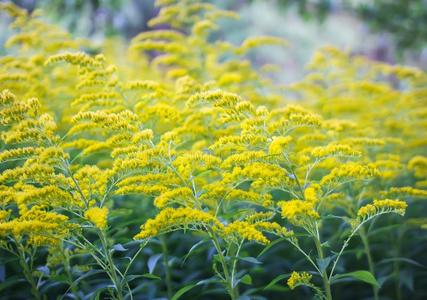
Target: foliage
(405, 21)
(184, 139)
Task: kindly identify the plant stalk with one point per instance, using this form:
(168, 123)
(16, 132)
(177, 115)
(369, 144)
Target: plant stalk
(166, 266)
(325, 279)
(111, 267)
(232, 291)
(367, 249)
(27, 270)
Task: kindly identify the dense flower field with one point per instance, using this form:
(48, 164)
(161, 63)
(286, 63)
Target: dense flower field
(182, 171)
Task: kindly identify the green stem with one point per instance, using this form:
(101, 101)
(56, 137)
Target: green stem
(28, 273)
(232, 291)
(396, 266)
(111, 267)
(367, 249)
(295, 177)
(325, 279)
(233, 269)
(73, 287)
(166, 266)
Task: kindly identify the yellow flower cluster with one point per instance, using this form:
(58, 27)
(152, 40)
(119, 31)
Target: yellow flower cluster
(246, 231)
(79, 58)
(406, 191)
(298, 211)
(299, 278)
(170, 219)
(41, 227)
(98, 216)
(278, 144)
(181, 196)
(349, 171)
(333, 150)
(379, 206)
(311, 193)
(418, 165)
(197, 136)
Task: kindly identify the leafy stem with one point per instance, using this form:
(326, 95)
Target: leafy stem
(110, 267)
(366, 247)
(166, 266)
(323, 274)
(232, 290)
(27, 269)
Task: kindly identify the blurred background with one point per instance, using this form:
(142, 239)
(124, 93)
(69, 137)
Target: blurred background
(394, 31)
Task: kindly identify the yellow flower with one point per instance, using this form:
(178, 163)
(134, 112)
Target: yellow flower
(310, 193)
(405, 191)
(334, 150)
(278, 144)
(349, 171)
(298, 211)
(79, 58)
(170, 219)
(43, 228)
(380, 206)
(182, 195)
(98, 216)
(418, 164)
(4, 214)
(245, 230)
(298, 278)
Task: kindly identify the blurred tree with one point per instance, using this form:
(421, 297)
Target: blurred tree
(96, 17)
(406, 20)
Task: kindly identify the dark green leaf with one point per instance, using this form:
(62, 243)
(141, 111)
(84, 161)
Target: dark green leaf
(275, 280)
(251, 260)
(182, 291)
(119, 248)
(402, 259)
(192, 249)
(209, 280)
(152, 262)
(2, 273)
(270, 245)
(323, 263)
(247, 279)
(406, 279)
(361, 275)
(130, 278)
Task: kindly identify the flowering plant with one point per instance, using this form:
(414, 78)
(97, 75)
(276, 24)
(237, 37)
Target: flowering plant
(199, 150)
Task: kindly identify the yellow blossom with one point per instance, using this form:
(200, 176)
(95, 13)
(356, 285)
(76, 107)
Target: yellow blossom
(298, 211)
(98, 216)
(379, 206)
(298, 278)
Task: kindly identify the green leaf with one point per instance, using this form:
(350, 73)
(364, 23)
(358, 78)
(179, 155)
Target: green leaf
(146, 275)
(118, 248)
(151, 276)
(10, 281)
(209, 280)
(98, 294)
(275, 280)
(323, 263)
(251, 260)
(152, 262)
(247, 279)
(406, 279)
(403, 260)
(192, 249)
(270, 245)
(182, 291)
(361, 275)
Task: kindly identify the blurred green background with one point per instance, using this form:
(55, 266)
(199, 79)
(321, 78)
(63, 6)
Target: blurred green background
(393, 31)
